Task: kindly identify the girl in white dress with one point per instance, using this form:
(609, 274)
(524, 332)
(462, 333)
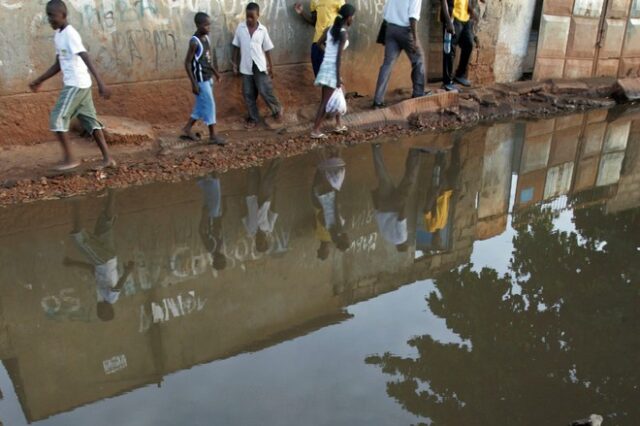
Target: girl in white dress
(335, 40)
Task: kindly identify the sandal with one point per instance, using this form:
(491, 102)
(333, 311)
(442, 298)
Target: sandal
(217, 140)
(65, 167)
(320, 135)
(341, 130)
(190, 137)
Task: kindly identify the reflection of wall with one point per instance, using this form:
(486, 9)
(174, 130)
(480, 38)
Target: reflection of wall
(572, 155)
(175, 311)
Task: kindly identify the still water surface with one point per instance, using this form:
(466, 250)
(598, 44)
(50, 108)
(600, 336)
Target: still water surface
(490, 277)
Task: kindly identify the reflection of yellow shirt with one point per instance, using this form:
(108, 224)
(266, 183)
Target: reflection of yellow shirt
(326, 12)
(438, 222)
(461, 10)
(322, 233)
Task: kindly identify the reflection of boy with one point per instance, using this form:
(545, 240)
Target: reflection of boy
(99, 250)
(211, 220)
(260, 219)
(390, 200)
(329, 223)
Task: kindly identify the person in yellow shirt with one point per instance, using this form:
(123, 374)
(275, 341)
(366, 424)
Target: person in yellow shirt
(457, 17)
(323, 13)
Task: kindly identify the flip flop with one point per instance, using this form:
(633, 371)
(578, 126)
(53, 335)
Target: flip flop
(190, 137)
(111, 165)
(217, 140)
(341, 130)
(66, 167)
(318, 136)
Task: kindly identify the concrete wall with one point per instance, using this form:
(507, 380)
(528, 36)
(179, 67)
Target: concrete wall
(144, 42)
(139, 47)
(513, 39)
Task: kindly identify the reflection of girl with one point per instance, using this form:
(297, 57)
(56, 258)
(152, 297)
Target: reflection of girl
(335, 39)
(329, 223)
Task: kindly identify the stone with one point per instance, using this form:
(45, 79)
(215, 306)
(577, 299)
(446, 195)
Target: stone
(122, 130)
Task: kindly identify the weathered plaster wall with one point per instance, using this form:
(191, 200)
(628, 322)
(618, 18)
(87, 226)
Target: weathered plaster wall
(144, 41)
(513, 39)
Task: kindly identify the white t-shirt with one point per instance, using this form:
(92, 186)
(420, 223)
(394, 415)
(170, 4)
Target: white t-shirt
(398, 12)
(106, 279)
(392, 229)
(68, 45)
(259, 217)
(252, 48)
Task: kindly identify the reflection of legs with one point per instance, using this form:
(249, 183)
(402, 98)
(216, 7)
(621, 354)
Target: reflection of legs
(385, 183)
(106, 218)
(268, 181)
(253, 181)
(412, 166)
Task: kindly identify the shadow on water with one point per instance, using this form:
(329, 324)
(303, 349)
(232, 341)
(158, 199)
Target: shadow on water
(257, 268)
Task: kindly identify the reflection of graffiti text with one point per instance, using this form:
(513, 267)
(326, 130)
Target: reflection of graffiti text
(169, 308)
(63, 304)
(115, 364)
(365, 243)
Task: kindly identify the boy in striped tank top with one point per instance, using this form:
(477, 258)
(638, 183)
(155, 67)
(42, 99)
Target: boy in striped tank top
(200, 69)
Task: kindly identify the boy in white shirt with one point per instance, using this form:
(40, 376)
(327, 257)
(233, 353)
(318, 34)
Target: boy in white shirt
(252, 58)
(75, 99)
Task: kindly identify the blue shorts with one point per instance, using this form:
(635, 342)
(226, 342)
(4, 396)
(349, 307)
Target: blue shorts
(205, 107)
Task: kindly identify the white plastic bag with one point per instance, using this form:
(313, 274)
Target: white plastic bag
(337, 103)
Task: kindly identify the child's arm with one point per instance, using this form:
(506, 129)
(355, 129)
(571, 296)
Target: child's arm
(269, 63)
(235, 58)
(309, 19)
(102, 88)
(123, 279)
(191, 53)
(322, 41)
(53, 70)
(77, 263)
(343, 42)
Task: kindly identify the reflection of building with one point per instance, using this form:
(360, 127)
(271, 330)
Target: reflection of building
(177, 311)
(575, 160)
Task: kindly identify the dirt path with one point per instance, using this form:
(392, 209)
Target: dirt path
(25, 175)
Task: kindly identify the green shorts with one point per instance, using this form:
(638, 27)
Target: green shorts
(74, 102)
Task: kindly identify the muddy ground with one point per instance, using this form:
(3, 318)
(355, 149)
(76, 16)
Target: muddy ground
(163, 157)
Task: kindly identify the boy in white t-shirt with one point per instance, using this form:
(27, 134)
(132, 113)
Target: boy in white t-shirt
(99, 251)
(75, 100)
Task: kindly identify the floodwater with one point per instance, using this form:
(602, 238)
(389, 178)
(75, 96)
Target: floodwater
(491, 277)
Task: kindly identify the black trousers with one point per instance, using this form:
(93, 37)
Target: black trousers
(463, 38)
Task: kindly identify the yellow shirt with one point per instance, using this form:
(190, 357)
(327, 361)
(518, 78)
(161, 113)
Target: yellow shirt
(461, 10)
(438, 222)
(321, 232)
(326, 12)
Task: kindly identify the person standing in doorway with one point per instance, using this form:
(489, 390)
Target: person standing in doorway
(323, 13)
(401, 18)
(457, 17)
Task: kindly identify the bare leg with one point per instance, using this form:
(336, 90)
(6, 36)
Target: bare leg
(107, 161)
(187, 131)
(69, 160)
(326, 95)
